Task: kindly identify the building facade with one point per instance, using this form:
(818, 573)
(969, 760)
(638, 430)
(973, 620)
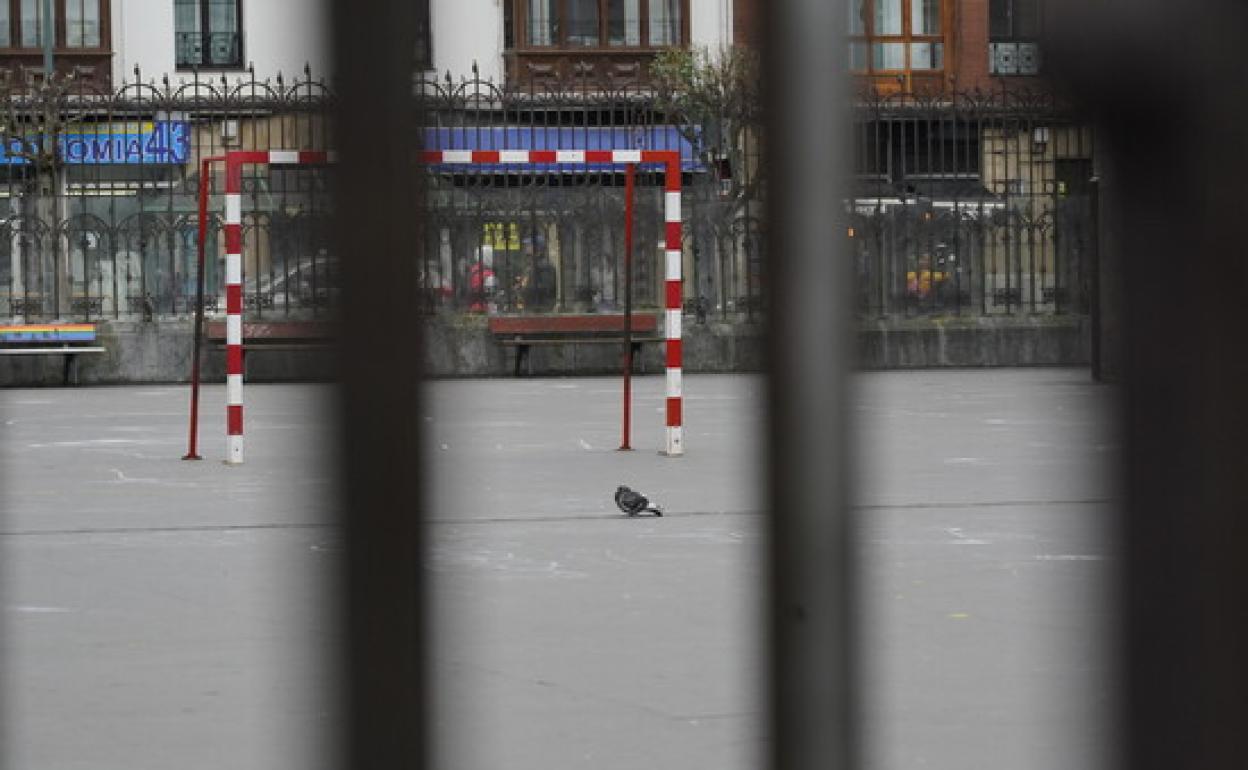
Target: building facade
(926, 46)
(512, 41)
(104, 41)
(973, 179)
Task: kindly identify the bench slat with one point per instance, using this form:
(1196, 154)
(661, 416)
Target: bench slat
(570, 324)
(24, 334)
(276, 330)
(72, 350)
(526, 341)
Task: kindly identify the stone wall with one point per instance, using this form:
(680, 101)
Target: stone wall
(463, 347)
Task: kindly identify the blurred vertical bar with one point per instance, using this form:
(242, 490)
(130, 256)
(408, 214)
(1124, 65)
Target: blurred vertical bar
(377, 232)
(1173, 280)
(805, 60)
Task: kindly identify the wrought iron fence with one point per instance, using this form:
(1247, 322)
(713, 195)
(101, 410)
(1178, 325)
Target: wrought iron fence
(98, 195)
(494, 232)
(979, 204)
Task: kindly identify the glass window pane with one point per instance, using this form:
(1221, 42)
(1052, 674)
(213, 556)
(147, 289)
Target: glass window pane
(223, 16)
(582, 22)
(543, 22)
(664, 22)
(73, 23)
(624, 22)
(925, 17)
(32, 23)
(222, 41)
(186, 38)
(888, 17)
(1014, 19)
(999, 18)
(185, 16)
(927, 56)
(857, 55)
(888, 56)
(6, 39)
(858, 17)
(82, 23)
(1026, 19)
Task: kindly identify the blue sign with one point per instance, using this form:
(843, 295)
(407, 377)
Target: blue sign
(148, 142)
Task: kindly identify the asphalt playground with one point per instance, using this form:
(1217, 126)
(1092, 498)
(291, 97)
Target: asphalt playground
(162, 613)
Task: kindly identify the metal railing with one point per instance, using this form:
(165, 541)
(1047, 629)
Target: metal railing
(503, 223)
(98, 196)
(972, 204)
(208, 49)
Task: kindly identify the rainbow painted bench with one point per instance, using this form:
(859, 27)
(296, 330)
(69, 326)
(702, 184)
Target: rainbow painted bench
(68, 340)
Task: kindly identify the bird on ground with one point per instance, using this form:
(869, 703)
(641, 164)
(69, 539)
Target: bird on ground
(633, 503)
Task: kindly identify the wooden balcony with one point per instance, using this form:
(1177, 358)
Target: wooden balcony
(593, 66)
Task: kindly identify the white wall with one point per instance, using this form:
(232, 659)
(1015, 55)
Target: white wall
(278, 35)
(465, 31)
(142, 35)
(281, 35)
(710, 24)
(284, 35)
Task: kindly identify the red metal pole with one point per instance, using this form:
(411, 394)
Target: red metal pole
(192, 452)
(630, 172)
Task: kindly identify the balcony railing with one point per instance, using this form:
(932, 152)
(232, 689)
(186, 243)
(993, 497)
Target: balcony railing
(209, 49)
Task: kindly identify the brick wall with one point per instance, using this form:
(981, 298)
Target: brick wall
(745, 23)
(970, 44)
(970, 51)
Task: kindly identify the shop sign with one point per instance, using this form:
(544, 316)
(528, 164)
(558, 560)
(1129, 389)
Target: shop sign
(131, 143)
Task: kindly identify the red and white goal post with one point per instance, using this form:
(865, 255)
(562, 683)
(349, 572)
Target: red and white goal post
(669, 160)
(234, 162)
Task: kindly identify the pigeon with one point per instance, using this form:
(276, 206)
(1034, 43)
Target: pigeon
(633, 503)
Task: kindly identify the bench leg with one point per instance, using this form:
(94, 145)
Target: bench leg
(522, 354)
(71, 370)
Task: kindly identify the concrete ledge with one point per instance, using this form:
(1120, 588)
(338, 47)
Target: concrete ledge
(462, 346)
(955, 342)
(160, 351)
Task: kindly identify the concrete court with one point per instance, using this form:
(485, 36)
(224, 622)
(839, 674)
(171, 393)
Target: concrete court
(161, 613)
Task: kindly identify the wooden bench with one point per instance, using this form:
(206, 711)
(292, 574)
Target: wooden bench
(523, 332)
(276, 335)
(68, 340)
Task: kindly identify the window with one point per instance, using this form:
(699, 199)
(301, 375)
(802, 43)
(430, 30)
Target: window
(600, 23)
(624, 23)
(896, 36)
(1013, 19)
(82, 23)
(208, 33)
(664, 22)
(31, 23)
(75, 24)
(424, 46)
(1013, 31)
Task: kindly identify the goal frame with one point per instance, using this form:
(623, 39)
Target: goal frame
(668, 160)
